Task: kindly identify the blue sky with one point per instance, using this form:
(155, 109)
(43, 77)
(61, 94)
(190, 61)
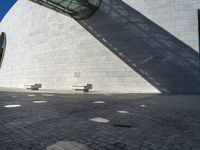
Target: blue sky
(5, 5)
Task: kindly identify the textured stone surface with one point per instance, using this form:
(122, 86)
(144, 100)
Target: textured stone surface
(166, 62)
(58, 52)
(168, 122)
(52, 49)
(179, 17)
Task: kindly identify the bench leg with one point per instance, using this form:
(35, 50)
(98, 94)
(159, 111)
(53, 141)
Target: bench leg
(86, 90)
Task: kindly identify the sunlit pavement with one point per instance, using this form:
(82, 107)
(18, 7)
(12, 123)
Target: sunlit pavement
(99, 122)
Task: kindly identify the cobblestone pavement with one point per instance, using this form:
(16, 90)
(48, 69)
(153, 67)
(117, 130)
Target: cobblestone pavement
(39, 121)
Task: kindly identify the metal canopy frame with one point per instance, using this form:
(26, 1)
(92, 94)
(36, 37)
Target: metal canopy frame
(78, 9)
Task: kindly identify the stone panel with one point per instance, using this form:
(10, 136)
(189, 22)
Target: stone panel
(52, 49)
(179, 17)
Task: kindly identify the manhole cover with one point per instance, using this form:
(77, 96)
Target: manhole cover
(99, 120)
(123, 125)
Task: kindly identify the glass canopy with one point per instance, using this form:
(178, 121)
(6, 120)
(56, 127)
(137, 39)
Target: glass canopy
(78, 9)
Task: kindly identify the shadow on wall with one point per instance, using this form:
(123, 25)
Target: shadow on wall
(163, 60)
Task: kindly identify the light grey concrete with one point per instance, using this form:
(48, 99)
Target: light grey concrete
(46, 47)
(179, 17)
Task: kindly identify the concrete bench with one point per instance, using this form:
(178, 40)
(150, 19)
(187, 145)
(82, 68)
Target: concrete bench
(84, 88)
(33, 86)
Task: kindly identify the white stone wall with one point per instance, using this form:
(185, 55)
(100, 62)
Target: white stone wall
(179, 17)
(46, 47)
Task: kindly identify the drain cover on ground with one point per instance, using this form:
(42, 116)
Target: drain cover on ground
(123, 125)
(48, 94)
(100, 120)
(99, 102)
(38, 102)
(30, 95)
(66, 145)
(11, 106)
(123, 112)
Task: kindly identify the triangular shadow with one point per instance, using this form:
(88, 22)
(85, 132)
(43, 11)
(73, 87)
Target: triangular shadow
(163, 60)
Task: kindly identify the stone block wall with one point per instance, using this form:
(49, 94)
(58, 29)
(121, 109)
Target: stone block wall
(179, 17)
(46, 47)
(116, 50)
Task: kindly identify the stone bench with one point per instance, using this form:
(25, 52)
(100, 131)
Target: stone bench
(33, 86)
(84, 88)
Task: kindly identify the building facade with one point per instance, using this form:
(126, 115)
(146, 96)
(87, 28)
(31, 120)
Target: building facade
(130, 46)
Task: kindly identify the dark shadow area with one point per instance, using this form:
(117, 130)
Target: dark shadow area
(163, 60)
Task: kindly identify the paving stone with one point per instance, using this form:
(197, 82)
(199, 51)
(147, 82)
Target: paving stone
(160, 126)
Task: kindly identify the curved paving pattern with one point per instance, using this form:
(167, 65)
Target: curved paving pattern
(168, 122)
